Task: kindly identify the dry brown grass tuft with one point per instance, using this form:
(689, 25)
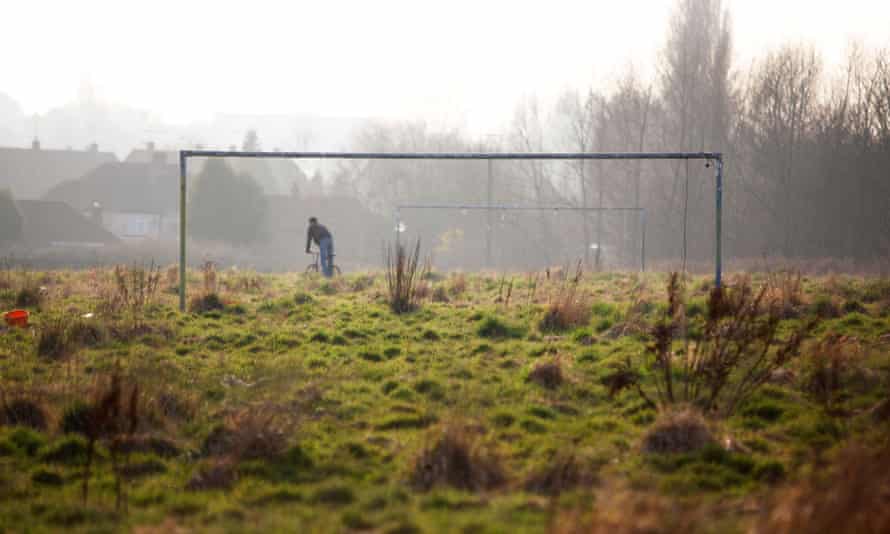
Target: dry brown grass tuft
(622, 511)
(677, 431)
(458, 285)
(569, 308)
(216, 475)
(209, 278)
(457, 458)
(548, 374)
(784, 290)
(247, 435)
(853, 498)
(828, 367)
(24, 412)
(404, 277)
(563, 472)
(205, 303)
(58, 338)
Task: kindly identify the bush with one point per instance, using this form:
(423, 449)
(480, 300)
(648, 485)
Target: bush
(738, 351)
(569, 309)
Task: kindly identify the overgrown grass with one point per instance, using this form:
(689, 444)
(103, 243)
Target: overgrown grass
(291, 401)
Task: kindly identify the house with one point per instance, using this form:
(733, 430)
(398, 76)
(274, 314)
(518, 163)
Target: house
(134, 201)
(31, 172)
(51, 224)
(275, 176)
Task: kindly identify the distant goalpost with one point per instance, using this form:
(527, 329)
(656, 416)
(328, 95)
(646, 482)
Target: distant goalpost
(715, 157)
(489, 208)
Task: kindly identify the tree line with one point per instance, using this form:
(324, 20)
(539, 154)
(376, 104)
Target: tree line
(807, 151)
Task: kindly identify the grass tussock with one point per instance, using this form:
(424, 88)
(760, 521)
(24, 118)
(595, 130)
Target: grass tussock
(404, 272)
(677, 431)
(457, 458)
(24, 412)
(206, 303)
(548, 374)
(220, 474)
(247, 435)
(564, 471)
(569, 308)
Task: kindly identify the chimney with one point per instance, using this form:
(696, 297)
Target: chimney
(35, 144)
(150, 146)
(93, 147)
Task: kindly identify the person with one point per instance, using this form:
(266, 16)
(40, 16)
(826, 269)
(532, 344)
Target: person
(325, 241)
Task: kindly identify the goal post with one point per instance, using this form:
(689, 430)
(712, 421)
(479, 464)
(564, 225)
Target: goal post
(488, 208)
(715, 157)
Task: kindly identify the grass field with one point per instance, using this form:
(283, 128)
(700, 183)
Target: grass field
(501, 404)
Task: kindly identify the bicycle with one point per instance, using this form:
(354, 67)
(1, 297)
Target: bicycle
(315, 266)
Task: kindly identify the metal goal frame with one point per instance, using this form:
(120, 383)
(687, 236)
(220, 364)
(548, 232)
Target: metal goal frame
(715, 157)
(397, 216)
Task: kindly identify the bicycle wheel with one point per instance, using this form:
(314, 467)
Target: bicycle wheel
(312, 268)
(337, 271)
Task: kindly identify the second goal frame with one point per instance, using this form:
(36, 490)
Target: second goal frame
(397, 216)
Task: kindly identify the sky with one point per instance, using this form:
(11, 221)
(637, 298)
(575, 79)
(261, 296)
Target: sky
(463, 63)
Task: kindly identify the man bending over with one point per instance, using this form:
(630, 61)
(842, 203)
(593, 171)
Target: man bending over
(325, 241)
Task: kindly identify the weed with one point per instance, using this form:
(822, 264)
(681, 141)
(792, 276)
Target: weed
(570, 308)
(114, 415)
(738, 351)
(404, 275)
(784, 291)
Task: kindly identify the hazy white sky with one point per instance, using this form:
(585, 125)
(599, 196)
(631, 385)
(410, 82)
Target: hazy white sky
(462, 62)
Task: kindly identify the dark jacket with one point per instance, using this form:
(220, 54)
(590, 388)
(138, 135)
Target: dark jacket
(316, 232)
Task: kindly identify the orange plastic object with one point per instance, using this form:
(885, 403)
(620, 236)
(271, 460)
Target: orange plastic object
(17, 318)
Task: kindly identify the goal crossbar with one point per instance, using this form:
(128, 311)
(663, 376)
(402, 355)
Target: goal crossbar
(716, 157)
